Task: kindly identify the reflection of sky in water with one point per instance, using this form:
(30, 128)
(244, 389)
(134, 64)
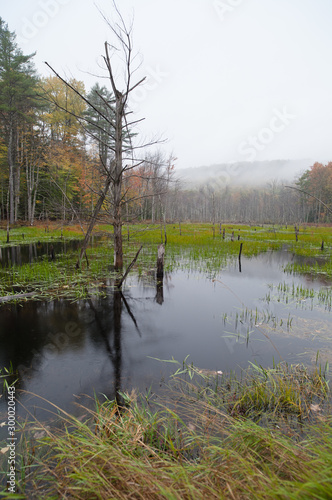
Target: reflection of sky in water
(78, 348)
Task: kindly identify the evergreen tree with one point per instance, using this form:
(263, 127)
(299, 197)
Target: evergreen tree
(99, 121)
(17, 99)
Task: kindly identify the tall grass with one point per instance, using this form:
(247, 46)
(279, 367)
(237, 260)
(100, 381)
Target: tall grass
(190, 443)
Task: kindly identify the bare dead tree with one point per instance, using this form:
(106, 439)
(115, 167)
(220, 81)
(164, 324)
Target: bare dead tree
(120, 143)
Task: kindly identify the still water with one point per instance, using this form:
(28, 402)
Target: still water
(18, 255)
(67, 351)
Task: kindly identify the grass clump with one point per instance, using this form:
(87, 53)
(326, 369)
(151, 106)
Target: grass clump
(278, 393)
(200, 440)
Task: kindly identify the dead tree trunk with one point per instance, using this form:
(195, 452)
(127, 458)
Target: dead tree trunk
(117, 132)
(118, 175)
(240, 253)
(160, 262)
(93, 220)
(296, 229)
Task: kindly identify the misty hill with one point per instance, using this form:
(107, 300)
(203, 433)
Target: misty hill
(243, 174)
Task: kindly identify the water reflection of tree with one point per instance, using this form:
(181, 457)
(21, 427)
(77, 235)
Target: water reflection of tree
(33, 334)
(151, 280)
(160, 291)
(113, 347)
(26, 330)
(31, 252)
(117, 311)
(110, 331)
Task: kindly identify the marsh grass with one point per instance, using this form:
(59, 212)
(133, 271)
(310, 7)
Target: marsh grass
(299, 295)
(323, 269)
(266, 435)
(197, 248)
(59, 278)
(8, 377)
(54, 231)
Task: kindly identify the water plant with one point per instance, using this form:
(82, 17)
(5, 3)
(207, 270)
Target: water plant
(299, 295)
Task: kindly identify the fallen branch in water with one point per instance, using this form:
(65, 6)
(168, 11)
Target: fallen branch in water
(129, 268)
(7, 298)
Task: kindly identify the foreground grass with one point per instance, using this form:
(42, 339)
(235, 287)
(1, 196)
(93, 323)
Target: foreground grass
(265, 436)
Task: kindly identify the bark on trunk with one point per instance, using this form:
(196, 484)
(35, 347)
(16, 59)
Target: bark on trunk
(117, 195)
(11, 164)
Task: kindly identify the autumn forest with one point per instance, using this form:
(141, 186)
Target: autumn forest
(55, 145)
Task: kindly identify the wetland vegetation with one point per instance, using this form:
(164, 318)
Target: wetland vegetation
(190, 246)
(262, 430)
(266, 435)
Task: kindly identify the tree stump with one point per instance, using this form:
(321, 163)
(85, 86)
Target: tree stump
(160, 261)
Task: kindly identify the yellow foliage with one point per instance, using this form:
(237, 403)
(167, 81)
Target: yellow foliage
(64, 106)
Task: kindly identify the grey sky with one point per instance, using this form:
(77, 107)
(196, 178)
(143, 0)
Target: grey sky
(229, 80)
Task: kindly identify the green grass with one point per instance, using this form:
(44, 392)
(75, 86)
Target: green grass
(41, 232)
(299, 296)
(264, 436)
(197, 248)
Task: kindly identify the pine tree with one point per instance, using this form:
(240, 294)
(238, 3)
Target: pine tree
(99, 121)
(17, 98)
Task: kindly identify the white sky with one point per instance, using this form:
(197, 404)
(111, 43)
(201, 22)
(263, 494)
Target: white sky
(229, 80)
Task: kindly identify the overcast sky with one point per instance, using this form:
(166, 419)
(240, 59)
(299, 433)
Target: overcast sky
(228, 80)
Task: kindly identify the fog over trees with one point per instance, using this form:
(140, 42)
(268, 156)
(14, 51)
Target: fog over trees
(58, 148)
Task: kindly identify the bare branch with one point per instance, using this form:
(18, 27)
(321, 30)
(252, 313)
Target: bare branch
(79, 94)
(133, 123)
(312, 196)
(137, 84)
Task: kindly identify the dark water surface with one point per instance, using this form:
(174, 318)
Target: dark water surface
(17, 255)
(65, 351)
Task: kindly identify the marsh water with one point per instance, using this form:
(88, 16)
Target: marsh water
(28, 253)
(65, 351)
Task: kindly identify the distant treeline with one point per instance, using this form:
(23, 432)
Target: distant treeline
(274, 203)
(55, 150)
